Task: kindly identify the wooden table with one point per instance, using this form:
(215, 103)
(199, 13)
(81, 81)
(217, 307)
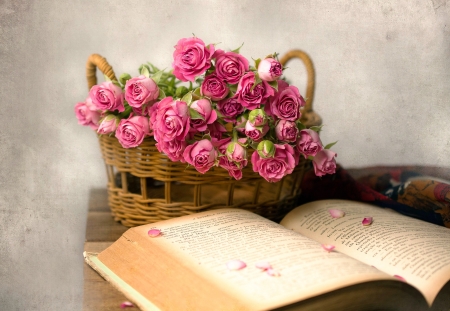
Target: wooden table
(101, 231)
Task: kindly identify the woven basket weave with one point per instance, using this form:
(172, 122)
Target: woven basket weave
(144, 186)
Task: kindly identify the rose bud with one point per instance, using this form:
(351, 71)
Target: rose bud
(266, 149)
(286, 131)
(236, 152)
(257, 117)
(255, 133)
(108, 124)
(270, 69)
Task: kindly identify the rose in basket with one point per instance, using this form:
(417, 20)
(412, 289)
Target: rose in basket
(212, 109)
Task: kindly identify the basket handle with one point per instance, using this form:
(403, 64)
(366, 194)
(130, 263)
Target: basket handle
(97, 61)
(309, 116)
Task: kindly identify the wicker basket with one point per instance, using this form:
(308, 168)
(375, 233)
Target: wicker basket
(144, 186)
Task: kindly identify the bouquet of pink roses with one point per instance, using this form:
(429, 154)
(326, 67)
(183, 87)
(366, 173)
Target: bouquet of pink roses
(212, 109)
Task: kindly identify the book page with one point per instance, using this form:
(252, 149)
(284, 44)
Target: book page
(206, 242)
(413, 250)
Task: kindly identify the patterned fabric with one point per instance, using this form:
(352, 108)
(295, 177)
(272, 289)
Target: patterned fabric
(416, 191)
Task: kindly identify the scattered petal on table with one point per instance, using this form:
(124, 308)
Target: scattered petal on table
(154, 233)
(126, 304)
(336, 213)
(236, 264)
(367, 221)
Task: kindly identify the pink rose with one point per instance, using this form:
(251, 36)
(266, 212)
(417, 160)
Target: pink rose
(216, 130)
(255, 133)
(309, 143)
(286, 103)
(140, 91)
(230, 66)
(270, 69)
(173, 149)
(201, 155)
(107, 96)
(214, 88)
(236, 152)
(191, 58)
(87, 114)
(108, 125)
(324, 162)
(171, 120)
(230, 108)
(251, 96)
(132, 131)
(257, 117)
(275, 168)
(234, 169)
(209, 115)
(286, 131)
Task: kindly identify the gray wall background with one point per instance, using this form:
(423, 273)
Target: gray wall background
(383, 74)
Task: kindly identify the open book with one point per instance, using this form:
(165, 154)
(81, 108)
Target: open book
(396, 263)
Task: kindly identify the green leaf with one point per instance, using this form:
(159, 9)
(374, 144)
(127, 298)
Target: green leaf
(233, 87)
(157, 76)
(195, 115)
(196, 94)
(310, 158)
(187, 98)
(237, 50)
(257, 61)
(316, 128)
(124, 77)
(330, 145)
(115, 82)
(162, 94)
(274, 84)
(144, 70)
(300, 126)
(257, 81)
(107, 78)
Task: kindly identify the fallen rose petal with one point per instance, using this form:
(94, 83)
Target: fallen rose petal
(273, 272)
(335, 213)
(126, 304)
(154, 233)
(328, 247)
(236, 265)
(399, 277)
(367, 221)
(263, 265)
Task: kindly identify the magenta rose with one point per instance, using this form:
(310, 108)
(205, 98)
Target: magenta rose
(251, 96)
(230, 66)
(191, 58)
(230, 108)
(140, 91)
(171, 120)
(107, 96)
(275, 168)
(255, 133)
(216, 130)
(108, 125)
(270, 69)
(286, 103)
(204, 109)
(173, 149)
(286, 131)
(309, 143)
(132, 131)
(87, 114)
(201, 155)
(214, 88)
(324, 162)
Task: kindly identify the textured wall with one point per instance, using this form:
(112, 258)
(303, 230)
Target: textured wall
(383, 89)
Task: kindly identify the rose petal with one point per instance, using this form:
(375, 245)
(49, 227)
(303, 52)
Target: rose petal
(328, 247)
(236, 264)
(400, 278)
(126, 304)
(263, 265)
(367, 221)
(154, 233)
(272, 272)
(335, 213)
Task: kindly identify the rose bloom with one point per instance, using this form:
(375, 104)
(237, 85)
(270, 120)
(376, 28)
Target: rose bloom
(204, 108)
(230, 66)
(230, 108)
(254, 133)
(201, 155)
(275, 168)
(286, 131)
(132, 131)
(270, 69)
(214, 88)
(108, 125)
(286, 103)
(251, 96)
(87, 114)
(191, 58)
(216, 130)
(173, 149)
(107, 96)
(324, 162)
(171, 120)
(140, 91)
(309, 143)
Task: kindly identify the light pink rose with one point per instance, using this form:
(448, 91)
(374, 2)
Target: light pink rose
(108, 125)
(270, 69)
(234, 169)
(324, 162)
(87, 114)
(140, 91)
(191, 58)
(171, 120)
(255, 133)
(252, 96)
(204, 108)
(201, 155)
(132, 131)
(230, 66)
(173, 149)
(275, 168)
(214, 88)
(286, 131)
(107, 96)
(286, 103)
(309, 143)
(257, 117)
(216, 130)
(230, 108)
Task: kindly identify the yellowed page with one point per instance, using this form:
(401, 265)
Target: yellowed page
(415, 250)
(205, 242)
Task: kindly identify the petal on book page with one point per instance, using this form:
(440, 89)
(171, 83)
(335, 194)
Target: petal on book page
(126, 304)
(154, 233)
(273, 272)
(263, 265)
(336, 213)
(236, 265)
(400, 278)
(367, 221)
(328, 247)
